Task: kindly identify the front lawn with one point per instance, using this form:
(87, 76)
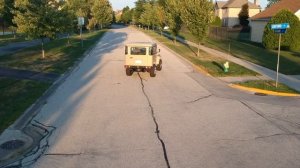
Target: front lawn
(211, 64)
(254, 52)
(59, 56)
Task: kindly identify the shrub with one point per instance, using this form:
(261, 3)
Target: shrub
(290, 40)
(217, 22)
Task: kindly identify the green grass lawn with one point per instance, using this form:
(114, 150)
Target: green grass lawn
(213, 65)
(268, 85)
(59, 56)
(6, 39)
(254, 52)
(16, 96)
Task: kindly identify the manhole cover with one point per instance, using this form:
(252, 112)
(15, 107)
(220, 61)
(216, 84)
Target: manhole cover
(260, 94)
(10, 145)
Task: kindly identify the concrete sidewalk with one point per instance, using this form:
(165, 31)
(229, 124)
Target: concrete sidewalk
(292, 81)
(14, 47)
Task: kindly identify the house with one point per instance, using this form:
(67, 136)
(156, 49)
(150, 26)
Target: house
(228, 11)
(260, 20)
(218, 8)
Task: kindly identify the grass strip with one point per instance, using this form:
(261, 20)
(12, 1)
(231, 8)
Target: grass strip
(16, 96)
(213, 65)
(268, 85)
(59, 56)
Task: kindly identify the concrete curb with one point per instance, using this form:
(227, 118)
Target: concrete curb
(267, 92)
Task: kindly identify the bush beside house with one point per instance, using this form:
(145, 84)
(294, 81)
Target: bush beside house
(290, 40)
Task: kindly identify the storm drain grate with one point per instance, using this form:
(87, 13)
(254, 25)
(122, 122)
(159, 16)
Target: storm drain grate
(11, 145)
(260, 94)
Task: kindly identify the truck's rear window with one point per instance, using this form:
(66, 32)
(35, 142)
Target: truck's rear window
(138, 51)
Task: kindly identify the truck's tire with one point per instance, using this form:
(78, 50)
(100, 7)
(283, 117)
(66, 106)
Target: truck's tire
(129, 71)
(159, 66)
(153, 71)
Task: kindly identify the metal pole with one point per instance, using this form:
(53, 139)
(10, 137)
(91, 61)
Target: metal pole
(81, 36)
(278, 61)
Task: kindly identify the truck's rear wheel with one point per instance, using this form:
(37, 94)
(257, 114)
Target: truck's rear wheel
(159, 66)
(129, 71)
(153, 71)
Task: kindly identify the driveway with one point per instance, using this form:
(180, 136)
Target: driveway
(99, 117)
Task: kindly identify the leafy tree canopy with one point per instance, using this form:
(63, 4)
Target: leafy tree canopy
(271, 2)
(244, 15)
(197, 16)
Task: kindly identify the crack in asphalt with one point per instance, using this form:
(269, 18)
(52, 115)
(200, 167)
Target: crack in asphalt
(287, 132)
(63, 154)
(261, 137)
(201, 98)
(37, 152)
(155, 122)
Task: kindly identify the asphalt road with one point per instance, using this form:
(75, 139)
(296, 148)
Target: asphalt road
(180, 118)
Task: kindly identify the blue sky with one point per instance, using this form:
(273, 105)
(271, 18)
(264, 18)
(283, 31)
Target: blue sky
(120, 4)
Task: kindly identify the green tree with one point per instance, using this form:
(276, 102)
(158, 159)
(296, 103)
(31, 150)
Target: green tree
(80, 8)
(271, 2)
(244, 15)
(173, 16)
(217, 22)
(160, 16)
(2, 4)
(138, 10)
(6, 13)
(290, 40)
(148, 16)
(102, 12)
(197, 14)
(126, 16)
(38, 19)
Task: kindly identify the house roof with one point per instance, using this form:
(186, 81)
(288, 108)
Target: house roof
(239, 4)
(292, 5)
(220, 4)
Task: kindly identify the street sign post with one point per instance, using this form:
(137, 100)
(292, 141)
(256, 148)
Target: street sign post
(279, 29)
(80, 24)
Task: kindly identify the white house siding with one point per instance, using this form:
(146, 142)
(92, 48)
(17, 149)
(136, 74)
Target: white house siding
(298, 14)
(218, 12)
(253, 12)
(231, 16)
(257, 30)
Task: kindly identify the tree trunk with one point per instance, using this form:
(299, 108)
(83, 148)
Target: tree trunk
(3, 26)
(198, 54)
(175, 40)
(43, 51)
(148, 27)
(161, 32)
(101, 26)
(68, 38)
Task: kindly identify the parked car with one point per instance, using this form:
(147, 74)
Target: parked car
(142, 57)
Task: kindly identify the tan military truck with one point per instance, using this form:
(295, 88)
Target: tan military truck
(142, 57)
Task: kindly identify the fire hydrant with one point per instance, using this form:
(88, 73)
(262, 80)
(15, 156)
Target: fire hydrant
(226, 66)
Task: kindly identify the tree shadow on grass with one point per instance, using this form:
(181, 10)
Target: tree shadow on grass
(218, 65)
